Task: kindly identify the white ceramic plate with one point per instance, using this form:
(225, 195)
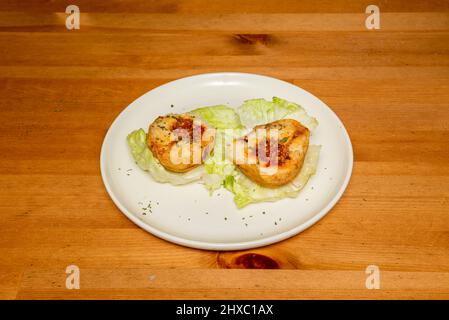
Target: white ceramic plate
(187, 215)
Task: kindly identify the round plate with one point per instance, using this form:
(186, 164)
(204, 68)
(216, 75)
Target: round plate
(188, 215)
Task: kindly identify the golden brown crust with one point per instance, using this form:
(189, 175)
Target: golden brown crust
(292, 145)
(161, 144)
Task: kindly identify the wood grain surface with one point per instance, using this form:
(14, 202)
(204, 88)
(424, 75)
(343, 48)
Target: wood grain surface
(60, 90)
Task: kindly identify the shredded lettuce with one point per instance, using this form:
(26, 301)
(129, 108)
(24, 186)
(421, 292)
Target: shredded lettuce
(260, 111)
(137, 142)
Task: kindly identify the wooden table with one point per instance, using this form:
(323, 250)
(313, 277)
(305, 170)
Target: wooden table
(61, 89)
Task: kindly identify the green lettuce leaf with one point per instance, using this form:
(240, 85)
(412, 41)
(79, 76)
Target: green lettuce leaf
(219, 117)
(227, 124)
(137, 142)
(219, 165)
(260, 111)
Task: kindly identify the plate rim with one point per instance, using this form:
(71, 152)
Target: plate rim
(221, 246)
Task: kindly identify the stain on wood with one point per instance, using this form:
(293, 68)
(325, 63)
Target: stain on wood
(257, 259)
(253, 39)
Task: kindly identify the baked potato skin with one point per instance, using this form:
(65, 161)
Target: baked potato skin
(160, 141)
(293, 142)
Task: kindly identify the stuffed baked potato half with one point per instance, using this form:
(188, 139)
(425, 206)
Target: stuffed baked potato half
(275, 157)
(179, 142)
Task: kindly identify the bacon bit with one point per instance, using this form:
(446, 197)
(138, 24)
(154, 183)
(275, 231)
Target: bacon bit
(282, 152)
(187, 125)
(184, 124)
